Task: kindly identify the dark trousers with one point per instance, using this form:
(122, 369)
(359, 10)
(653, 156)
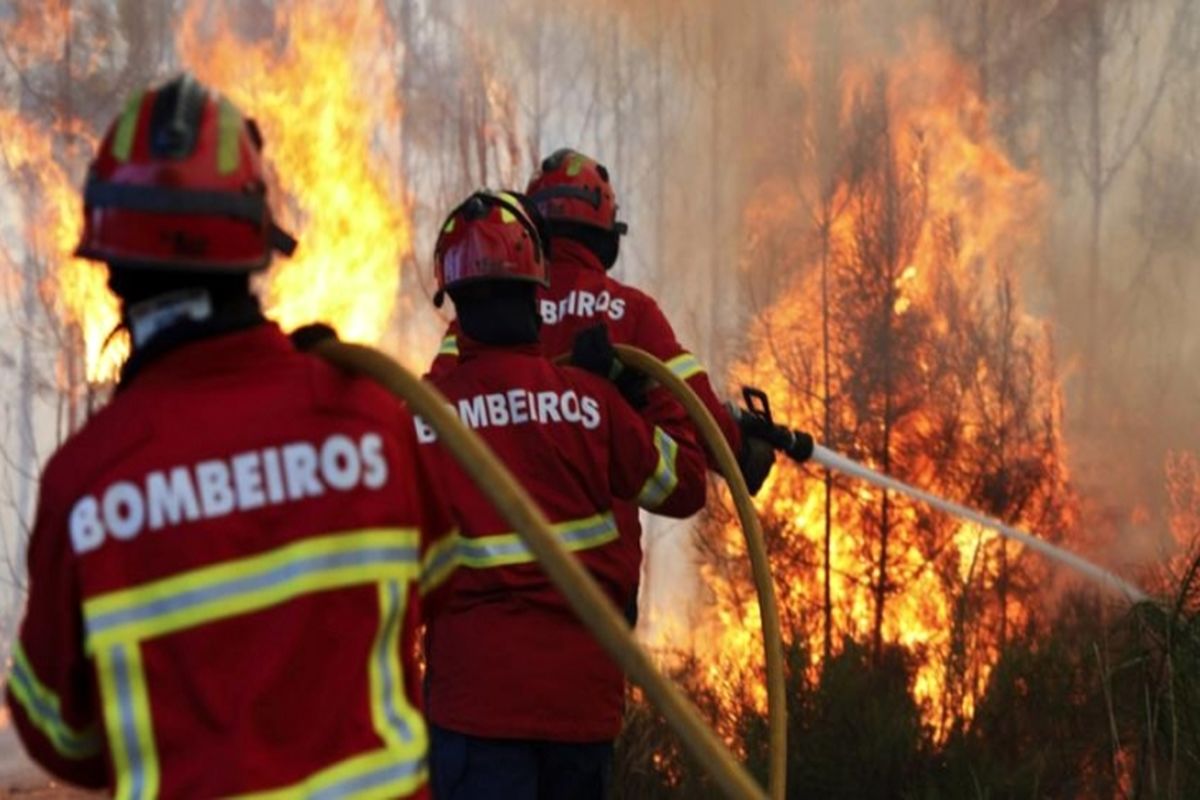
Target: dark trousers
(466, 767)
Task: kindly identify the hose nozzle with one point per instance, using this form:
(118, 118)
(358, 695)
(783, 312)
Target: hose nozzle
(757, 421)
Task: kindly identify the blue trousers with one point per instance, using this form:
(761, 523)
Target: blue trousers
(466, 767)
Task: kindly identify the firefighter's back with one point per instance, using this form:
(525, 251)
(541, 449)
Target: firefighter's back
(545, 676)
(243, 524)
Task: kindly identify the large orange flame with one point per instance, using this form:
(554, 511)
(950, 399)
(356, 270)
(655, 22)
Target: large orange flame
(919, 240)
(77, 289)
(324, 92)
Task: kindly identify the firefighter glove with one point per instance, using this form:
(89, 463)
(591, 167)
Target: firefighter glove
(757, 455)
(593, 351)
(306, 337)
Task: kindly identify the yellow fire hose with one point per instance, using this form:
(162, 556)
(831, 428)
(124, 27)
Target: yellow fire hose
(760, 567)
(586, 598)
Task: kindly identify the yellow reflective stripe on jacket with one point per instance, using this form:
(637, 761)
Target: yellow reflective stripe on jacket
(389, 707)
(127, 720)
(119, 621)
(685, 365)
(45, 711)
(250, 584)
(658, 486)
(449, 346)
(378, 774)
(505, 549)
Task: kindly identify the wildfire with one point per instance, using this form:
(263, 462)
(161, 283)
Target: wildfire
(324, 93)
(325, 96)
(77, 289)
(936, 376)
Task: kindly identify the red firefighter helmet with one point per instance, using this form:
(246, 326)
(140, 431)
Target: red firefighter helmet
(178, 184)
(491, 236)
(571, 187)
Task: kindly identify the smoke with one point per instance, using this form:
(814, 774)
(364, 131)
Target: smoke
(715, 116)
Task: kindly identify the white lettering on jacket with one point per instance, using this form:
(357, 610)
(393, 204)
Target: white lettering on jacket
(213, 488)
(582, 304)
(519, 407)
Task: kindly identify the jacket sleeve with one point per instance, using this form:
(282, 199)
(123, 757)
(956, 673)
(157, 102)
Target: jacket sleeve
(439, 528)
(658, 467)
(655, 336)
(51, 690)
(447, 354)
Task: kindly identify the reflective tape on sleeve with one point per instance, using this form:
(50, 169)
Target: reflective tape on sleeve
(506, 549)
(44, 710)
(662, 482)
(685, 366)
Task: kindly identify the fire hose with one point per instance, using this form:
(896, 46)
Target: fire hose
(760, 566)
(800, 448)
(585, 597)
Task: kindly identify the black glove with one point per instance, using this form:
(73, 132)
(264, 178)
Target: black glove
(306, 337)
(755, 460)
(592, 350)
(757, 455)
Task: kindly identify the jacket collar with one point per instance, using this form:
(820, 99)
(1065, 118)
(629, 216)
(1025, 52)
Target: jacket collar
(469, 349)
(565, 252)
(229, 353)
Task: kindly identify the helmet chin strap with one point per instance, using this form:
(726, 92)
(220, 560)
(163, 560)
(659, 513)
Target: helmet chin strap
(151, 317)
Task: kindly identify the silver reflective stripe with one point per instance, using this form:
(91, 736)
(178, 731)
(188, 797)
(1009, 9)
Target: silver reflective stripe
(662, 483)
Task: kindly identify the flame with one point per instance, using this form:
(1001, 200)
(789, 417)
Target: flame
(77, 289)
(974, 365)
(325, 95)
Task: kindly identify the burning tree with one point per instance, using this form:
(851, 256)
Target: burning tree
(936, 377)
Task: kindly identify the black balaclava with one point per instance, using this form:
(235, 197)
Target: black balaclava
(604, 245)
(164, 309)
(501, 313)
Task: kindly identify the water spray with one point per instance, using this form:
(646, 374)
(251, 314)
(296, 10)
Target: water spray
(800, 447)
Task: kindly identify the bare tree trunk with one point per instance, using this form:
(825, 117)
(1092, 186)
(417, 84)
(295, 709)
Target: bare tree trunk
(716, 225)
(1095, 182)
(885, 525)
(892, 233)
(660, 174)
(26, 440)
(827, 438)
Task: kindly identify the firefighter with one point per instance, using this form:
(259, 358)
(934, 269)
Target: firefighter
(522, 701)
(225, 562)
(575, 197)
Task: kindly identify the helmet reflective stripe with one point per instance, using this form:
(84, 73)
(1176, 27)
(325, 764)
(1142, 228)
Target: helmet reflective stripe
(229, 130)
(122, 146)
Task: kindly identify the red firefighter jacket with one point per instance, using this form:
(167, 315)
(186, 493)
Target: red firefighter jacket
(506, 656)
(224, 579)
(581, 295)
